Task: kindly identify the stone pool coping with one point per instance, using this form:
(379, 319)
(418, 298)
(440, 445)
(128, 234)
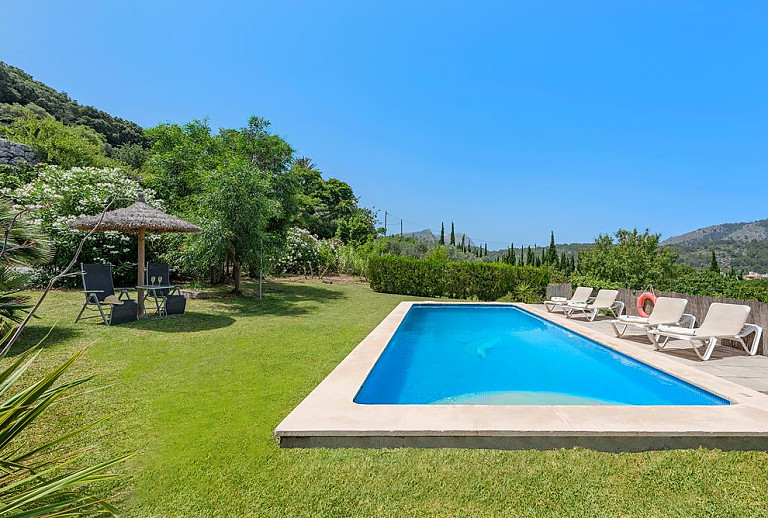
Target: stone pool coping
(328, 416)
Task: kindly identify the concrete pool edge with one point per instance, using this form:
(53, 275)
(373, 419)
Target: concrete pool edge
(328, 417)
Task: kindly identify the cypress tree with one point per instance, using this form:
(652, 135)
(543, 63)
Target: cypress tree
(485, 252)
(453, 235)
(442, 233)
(713, 266)
(530, 259)
(522, 257)
(463, 248)
(552, 259)
(563, 264)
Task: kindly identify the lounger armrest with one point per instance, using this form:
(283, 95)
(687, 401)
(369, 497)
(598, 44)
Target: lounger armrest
(687, 320)
(93, 291)
(750, 328)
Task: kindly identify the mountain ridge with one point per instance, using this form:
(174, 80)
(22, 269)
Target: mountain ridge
(738, 232)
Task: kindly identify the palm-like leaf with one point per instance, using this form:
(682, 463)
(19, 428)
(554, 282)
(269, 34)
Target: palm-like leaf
(26, 244)
(37, 481)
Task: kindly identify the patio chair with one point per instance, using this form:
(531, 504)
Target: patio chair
(168, 301)
(99, 292)
(723, 322)
(605, 301)
(582, 294)
(667, 311)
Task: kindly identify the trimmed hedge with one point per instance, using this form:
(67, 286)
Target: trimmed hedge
(460, 280)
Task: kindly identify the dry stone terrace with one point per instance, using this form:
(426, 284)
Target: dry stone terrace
(729, 363)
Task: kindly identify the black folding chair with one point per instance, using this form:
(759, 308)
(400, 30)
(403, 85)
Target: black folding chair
(99, 292)
(168, 301)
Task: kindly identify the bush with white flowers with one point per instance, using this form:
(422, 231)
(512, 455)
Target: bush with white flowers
(307, 255)
(59, 195)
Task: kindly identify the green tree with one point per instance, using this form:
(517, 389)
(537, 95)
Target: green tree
(633, 260)
(552, 251)
(713, 266)
(237, 210)
(453, 235)
(530, 258)
(442, 234)
(55, 143)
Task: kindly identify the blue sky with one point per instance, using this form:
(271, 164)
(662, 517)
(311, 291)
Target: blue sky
(511, 118)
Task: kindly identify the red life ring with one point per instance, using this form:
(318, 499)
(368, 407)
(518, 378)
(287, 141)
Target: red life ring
(646, 298)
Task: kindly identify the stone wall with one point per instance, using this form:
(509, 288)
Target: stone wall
(13, 153)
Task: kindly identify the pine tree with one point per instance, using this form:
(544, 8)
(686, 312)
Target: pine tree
(453, 235)
(713, 266)
(442, 233)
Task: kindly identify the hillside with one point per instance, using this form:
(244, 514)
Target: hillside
(429, 237)
(736, 232)
(20, 94)
(741, 245)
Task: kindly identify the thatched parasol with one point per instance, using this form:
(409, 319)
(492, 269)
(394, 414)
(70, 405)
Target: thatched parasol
(139, 219)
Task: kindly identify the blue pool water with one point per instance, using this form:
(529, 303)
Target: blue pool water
(502, 355)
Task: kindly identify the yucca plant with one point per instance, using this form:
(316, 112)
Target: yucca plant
(22, 244)
(43, 480)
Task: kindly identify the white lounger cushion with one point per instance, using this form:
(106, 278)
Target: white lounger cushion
(677, 330)
(633, 319)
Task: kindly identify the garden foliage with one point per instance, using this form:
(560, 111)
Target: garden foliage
(463, 280)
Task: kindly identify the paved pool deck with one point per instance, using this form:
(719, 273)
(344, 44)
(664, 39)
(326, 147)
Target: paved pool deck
(729, 363)
(329, 417)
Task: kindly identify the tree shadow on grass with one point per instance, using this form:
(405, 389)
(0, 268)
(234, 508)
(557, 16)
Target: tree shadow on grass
(32, 335)
(189, 322)
(281, 299)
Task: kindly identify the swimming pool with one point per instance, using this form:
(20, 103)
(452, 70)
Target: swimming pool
(502, 355)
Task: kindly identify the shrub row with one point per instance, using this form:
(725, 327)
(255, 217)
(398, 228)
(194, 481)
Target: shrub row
(461, 280)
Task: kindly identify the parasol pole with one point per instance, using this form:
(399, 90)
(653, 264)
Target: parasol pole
(141, 271)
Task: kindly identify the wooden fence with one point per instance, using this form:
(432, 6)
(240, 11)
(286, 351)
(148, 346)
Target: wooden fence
(697, 306)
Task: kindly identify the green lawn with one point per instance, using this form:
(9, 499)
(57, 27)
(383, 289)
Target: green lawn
(197, 398)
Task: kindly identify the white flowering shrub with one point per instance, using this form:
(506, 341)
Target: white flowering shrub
(59, 195)
(306, 254)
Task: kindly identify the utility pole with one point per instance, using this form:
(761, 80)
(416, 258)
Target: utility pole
(385, 222)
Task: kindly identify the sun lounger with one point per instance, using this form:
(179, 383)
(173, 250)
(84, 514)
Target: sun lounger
(581, 295)
(99, 292)
(723, 322)
(605, 301)
(667, 311)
